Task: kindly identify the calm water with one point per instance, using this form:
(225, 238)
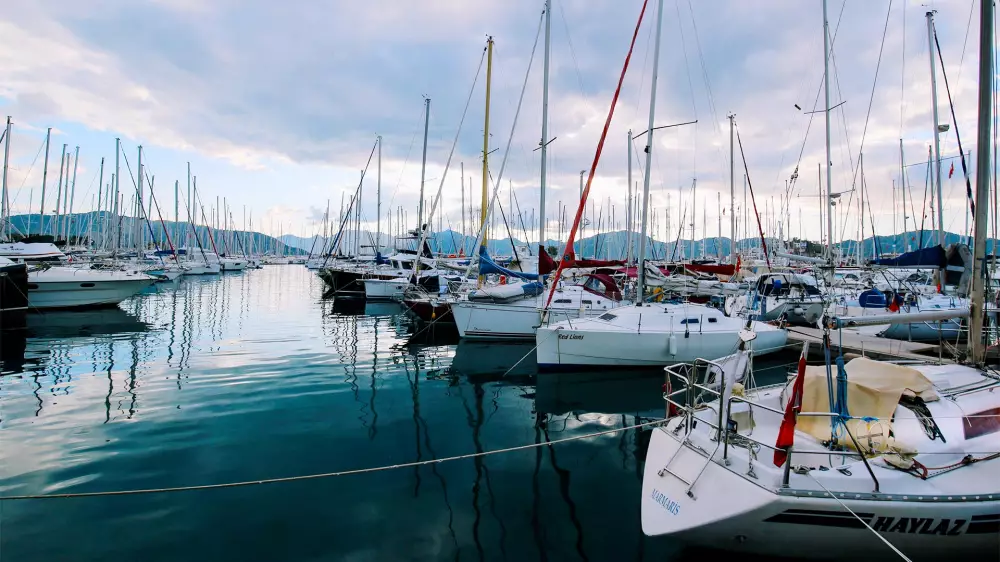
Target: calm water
(253, 375)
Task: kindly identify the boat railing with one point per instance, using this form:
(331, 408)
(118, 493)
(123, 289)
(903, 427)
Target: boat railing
(687, 373)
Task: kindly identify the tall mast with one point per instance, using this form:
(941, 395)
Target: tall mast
(545, 131)
(59, 191)
(641, 279)
(4, 203)
(378, 201)
(116, 180)
(902, 184)
(628, 214)
(826, 114)
(463, 204)
(732, 192)
(718, 241)
(177, 214)
(486, 148)
(45, 177)
(982, 180)
(72, 196)
(100, 183)
(937, 132)
(423, 165)
(694, 218)
(140, 236)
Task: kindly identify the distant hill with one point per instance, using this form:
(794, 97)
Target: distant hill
(611, 245)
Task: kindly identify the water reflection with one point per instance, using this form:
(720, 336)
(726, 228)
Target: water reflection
(255, 375)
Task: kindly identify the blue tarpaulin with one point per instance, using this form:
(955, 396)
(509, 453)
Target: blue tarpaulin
(487, 266)
(933, 256)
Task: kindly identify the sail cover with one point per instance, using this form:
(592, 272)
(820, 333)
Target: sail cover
(487, 266)
(933, 256)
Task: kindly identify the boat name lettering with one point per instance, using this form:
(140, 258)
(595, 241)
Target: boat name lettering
(571, 336)
(919, 525)
(667, 503)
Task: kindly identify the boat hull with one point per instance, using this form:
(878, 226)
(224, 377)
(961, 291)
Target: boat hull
(13, 295)
(509, 321)
(429, 311)
(384, 289)
(84, 292)
(725, 512)
(565, 347)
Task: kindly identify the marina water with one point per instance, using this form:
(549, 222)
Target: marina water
(252, 376)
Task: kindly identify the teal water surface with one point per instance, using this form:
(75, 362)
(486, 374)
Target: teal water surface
(253, 376)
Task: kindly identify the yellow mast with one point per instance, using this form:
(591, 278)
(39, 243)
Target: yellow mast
(486, 145)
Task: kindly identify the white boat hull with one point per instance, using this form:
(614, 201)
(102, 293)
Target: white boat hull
(232, 265)
(384, 289)
(725, 512)
(515, 321)
(84, 288)
(195, 268)
(567, 347)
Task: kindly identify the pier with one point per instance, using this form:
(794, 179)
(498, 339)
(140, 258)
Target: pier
(868, 345)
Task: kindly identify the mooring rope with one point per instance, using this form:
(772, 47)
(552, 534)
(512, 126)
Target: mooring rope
(327, 474)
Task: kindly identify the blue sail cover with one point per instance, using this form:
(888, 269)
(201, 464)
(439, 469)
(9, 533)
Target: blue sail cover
(487, 265)
(933, 256)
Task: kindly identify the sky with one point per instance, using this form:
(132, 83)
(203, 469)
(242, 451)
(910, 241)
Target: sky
(277, 106)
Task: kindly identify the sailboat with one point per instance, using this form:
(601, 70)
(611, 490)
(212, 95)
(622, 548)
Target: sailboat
(513, 311)
(647, 333)
(870, 458)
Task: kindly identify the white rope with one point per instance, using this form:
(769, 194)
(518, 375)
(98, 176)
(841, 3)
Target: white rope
(863, 522)
(326, 474)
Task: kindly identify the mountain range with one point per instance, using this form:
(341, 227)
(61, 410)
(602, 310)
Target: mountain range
(611, 245)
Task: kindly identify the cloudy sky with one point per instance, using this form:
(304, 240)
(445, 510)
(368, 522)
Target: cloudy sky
(276, 105)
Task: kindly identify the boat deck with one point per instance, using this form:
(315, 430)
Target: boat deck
(871, 346)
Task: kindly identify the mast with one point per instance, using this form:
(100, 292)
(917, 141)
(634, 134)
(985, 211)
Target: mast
(140, 236)
(641, 269)
(463, 205)
(486, 149)
(177, 213)
(694, 218)
(718, 241)
(545, 131)
(902, 184)
(117, 181)
(937, 132)
(100, 183)
(378, 201)
(628, 214)
(982, 181)
(826, 114)
(423, 165)
(45, 177)
(72, 196)
(189, 205)
(59, 191)
(732, 192)
(4, 198)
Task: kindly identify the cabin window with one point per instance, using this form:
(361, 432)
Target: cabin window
(690, 321)
(563, 301)
(86, 285)
(32, 285)
(607, 316)
(713, 320)
(587, 302)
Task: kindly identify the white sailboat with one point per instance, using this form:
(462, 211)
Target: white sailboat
(870, 459)
(70, 287)
(647, 333)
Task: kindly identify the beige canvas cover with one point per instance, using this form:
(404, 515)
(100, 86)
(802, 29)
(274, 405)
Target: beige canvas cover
(873, 390)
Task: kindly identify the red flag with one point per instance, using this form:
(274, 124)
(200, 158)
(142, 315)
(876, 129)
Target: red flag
(952, 170)
(786, 433)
